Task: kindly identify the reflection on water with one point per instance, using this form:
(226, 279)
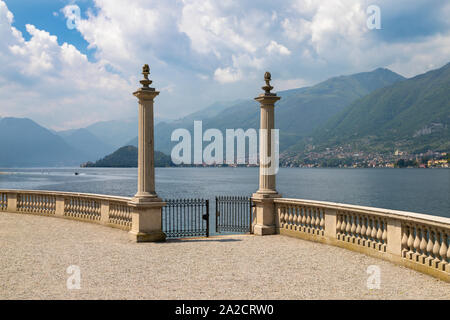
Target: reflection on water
(418, 190)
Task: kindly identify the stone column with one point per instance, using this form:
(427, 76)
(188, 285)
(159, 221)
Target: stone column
(146, 216)
(263, 198)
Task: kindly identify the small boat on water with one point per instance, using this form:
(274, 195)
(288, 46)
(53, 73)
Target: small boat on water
(76, 173)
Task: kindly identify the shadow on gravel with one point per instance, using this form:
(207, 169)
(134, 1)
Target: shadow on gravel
(202, 240)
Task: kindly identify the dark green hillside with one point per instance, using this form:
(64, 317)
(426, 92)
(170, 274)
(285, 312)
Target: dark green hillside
(127, 157)
(413, 115)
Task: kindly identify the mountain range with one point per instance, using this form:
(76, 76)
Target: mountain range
(412, 115)
(377, 110)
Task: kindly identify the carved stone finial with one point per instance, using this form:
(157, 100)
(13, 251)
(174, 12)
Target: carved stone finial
(267, 87)
(146, 82)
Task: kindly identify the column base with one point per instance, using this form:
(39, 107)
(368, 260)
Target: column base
(262, 230)
(145, 200)
(156, 236)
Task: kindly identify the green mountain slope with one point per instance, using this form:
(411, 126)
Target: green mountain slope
(298, 113)
(412, 115)
(127, 157)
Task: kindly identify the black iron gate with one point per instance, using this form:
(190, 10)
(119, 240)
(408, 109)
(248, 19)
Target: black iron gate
(183, 218)
(234, 214)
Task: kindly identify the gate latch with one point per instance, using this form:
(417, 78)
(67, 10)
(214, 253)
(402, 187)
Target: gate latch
(205, 217)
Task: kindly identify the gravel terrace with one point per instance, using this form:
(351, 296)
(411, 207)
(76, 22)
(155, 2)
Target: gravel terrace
(36, 251)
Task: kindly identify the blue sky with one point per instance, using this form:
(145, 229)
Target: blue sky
(199, 51)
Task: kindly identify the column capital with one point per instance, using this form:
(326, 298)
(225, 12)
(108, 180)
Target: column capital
(265, 99)
(146, 94)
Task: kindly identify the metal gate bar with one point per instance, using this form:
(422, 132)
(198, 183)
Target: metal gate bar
(183, 218)
(233, 214)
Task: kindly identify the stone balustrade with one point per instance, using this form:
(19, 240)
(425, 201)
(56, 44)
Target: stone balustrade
(417, 241)
(102, 209)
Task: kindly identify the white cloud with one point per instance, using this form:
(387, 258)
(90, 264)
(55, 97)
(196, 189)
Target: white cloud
(54, 83)
(275, 47)
(188, 43)
(287, 84)
(227, 75)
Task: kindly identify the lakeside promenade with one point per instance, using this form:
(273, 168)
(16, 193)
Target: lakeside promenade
(36, 252)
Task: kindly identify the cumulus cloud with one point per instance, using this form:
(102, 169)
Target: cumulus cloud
(54, 84)
(275, 47)
(201, 51)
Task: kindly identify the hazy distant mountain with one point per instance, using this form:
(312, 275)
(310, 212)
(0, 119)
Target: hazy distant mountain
(412, 115)
(166, 126)
(127, 157)
(117, 133)
(85, 141)
(25, 143)
(298, 113)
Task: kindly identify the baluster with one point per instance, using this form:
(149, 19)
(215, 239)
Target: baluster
(404, 240)
(42, 206)
(447, 268)
(289, 219)
(280, 215)
(308, 219)
(78, 206)
(379, 234)
(27, 202)
(348, 227)
(358, 229)
(363, 230)
(353, 228)
(303, 219)
(313, 220)
(416, 244)
(410, 242)
(298, 218)
(369, 232)
(384, 236)
(373, 235)
(343, 227)
(317, 222)
(338, 225)
(423, 245)
(436, 249)
(443, 252)
(429, 248)
(322, 222)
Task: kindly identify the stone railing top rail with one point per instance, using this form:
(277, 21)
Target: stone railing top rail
(436, 221)
(71, 194)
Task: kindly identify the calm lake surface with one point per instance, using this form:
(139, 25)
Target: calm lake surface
(417, 190)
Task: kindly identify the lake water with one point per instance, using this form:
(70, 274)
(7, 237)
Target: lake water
(417, 190)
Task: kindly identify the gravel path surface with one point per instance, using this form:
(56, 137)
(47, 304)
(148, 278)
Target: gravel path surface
(36, 251)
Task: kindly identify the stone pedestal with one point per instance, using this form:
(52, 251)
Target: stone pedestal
(146, 222)
(265, 223)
